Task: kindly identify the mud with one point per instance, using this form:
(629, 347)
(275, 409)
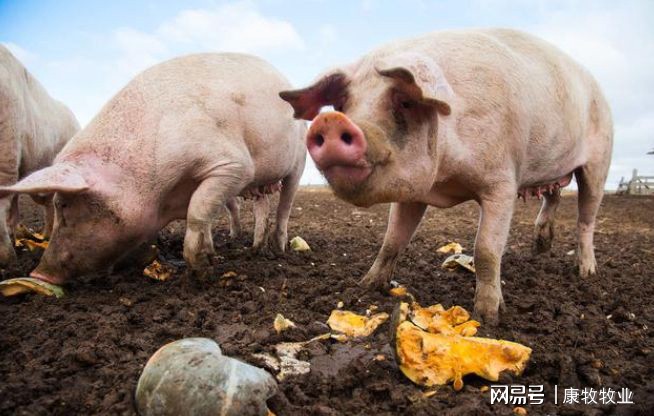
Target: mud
(83, 354)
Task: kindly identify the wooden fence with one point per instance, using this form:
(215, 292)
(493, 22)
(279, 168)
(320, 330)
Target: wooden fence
(637, 185)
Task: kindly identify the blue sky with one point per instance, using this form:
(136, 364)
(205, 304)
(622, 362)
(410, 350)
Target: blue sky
(84, 51)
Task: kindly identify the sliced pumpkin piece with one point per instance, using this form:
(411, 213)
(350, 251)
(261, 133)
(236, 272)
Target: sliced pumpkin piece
(459, 260)
(452, 247)
(26, 237)
(299, 244)
(12, 287)
(31, 244)
(437, 320)
(434, 359)
(398, 292)
(282, 324)
(354, 325)
(449, 352)
(158, 271)
(24, 232)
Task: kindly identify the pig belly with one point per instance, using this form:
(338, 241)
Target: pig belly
(258, 191)
(546, 188)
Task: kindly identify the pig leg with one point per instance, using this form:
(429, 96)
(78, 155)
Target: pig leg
(234, 210)
(8, 176)
(403, 220)
(206, 203)
(590, 179)
(544, 229)
(261, 214)
(14, 214)
(7, 253)
(493, 231)
(286, 196)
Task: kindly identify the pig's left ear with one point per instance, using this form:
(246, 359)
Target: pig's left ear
(60, 177)
(421, 78)
(329, 89)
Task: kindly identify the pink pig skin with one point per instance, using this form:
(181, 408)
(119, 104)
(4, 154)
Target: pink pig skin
(452, 116)
(178, 142)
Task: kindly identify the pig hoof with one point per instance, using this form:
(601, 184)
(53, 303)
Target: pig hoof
(587, 270)
(542, 245)
(487, 308)
(279, 250)
(263, 250)
(279, 245)
(543, 240)
(489, 317)
(370, 281)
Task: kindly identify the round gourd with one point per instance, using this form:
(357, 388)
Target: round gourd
(192, 377)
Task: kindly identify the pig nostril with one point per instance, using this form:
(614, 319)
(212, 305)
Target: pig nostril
(347, 138)
(320, 140)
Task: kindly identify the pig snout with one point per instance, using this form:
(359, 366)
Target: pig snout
(334, 140)
(55, 279)
(55, 272)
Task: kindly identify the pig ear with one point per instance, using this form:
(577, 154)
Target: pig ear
(330, 89)
(59, 177)
(421, 78)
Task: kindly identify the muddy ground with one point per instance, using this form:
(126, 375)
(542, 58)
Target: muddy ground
(82, 354)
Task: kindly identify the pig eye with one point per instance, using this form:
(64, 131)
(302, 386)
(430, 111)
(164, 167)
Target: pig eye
(402, 101)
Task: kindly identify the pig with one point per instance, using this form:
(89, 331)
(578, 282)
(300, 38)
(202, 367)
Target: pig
(452, 116)
(177, 142)
(33, 128)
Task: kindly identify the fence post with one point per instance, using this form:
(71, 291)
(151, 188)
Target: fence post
(631, 188)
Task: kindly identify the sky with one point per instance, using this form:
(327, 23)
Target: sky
(84, 51)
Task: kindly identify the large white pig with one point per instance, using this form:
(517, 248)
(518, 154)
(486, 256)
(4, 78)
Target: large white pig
(33, 128)
(453, 116)
(177, 142)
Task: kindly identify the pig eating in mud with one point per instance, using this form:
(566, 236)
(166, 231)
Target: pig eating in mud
(33, 128)
(178, 141)
(453, 116)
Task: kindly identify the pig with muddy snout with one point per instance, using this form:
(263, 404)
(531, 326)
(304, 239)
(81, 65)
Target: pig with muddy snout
(453, 116)
(178, 142)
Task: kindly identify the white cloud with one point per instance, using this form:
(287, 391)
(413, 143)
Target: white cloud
(139, 50)
(235, 27)
(86, 81)
(616, 44)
